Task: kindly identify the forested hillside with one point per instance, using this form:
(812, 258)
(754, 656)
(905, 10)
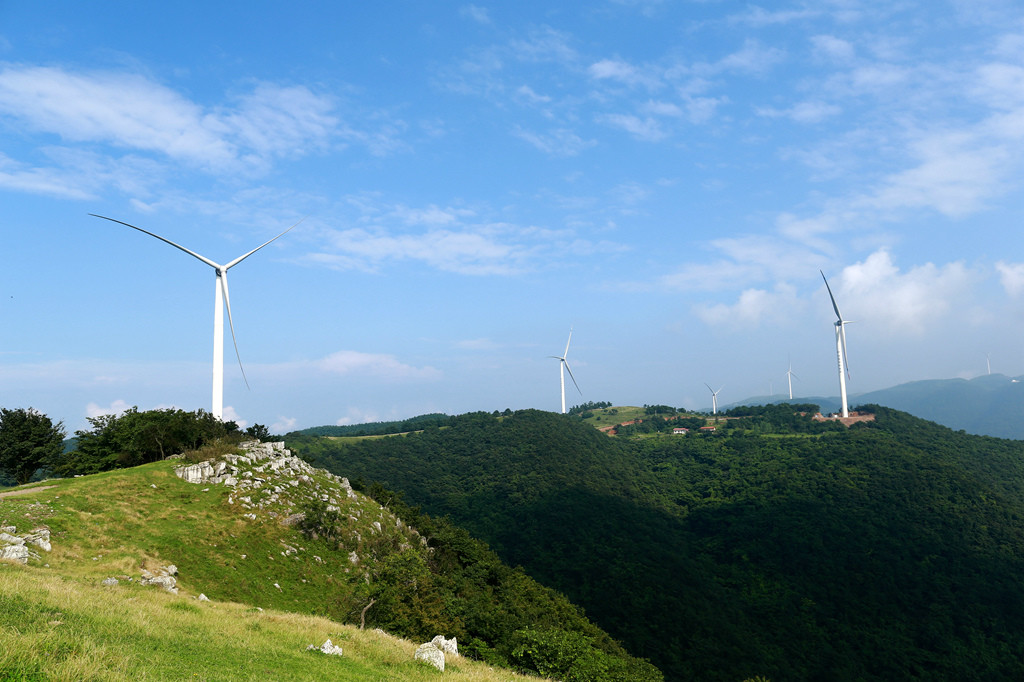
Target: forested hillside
(892, 550)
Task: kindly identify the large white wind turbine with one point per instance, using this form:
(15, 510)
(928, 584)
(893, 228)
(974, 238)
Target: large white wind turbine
(221, 299)
(844, 366)
(789, 376)
(563, 368)
(714, 398)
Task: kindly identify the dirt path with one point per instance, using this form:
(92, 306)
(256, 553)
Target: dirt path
(26, 491)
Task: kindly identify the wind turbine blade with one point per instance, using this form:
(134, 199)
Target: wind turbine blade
(571, 376)
(243, 257)
(223, 277)
(566, 353)
(710, 389)
(834, 306)
(163, 239)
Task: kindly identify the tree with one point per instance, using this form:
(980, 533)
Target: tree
(259, 432)
(28, 440)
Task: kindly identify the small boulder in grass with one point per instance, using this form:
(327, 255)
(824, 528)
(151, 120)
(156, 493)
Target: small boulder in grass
(327, 647)
(428, 653)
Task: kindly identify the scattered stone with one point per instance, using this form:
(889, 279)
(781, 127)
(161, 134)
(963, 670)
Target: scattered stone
(110, 581)
(327, 648)
(164, 577)
(202, 597)
(428, 653)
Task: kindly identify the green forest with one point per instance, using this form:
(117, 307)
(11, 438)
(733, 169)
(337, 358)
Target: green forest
(777, 547)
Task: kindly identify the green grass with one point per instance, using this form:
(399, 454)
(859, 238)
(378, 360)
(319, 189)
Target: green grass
(58, 628)
(57, 622)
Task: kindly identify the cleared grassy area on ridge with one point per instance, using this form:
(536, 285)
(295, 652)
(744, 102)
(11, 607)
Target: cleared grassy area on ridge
(56, 628)
(609, 416)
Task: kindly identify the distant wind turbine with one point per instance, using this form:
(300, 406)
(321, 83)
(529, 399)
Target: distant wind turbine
(221, 299)
(563, 368)
(714, 398)
(790, 376)
(844, 367)
(988, 362)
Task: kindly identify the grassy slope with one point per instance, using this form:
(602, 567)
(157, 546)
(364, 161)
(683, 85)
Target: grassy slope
(57, 622)
(53, 627)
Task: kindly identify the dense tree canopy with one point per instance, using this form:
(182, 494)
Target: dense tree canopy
(134, 438)
(28, 440)
(781, 547)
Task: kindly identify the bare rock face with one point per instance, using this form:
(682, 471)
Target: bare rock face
(428, 653)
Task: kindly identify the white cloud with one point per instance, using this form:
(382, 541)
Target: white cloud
(647, 129)
(231, 416)
(835, 49)
(753, 307)
(92, 410)
(557, 142)
(477, 14)
(876, 293)
(131, 112)
(1011, 276)
(372, 364)
(359, 416)
(283, 425)
(802, 112)
(465, 252)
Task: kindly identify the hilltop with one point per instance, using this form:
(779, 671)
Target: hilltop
(263, 549)
(779, 546)
(988, 405)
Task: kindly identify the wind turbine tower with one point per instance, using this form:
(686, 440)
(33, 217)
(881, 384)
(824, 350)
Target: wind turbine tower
(789, 376)
(564, 367)
(221, 299)
(714, 398)
(844, 367)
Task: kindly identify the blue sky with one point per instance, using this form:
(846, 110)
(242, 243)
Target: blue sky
(666, 178)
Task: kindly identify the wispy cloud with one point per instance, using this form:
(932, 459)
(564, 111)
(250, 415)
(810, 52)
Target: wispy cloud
(1011, 276)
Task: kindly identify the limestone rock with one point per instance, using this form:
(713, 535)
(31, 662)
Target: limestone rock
(428, 653)
(40, 537)
(449, 646)
(8, 539)
(327, 647)
(164, 577)
(110, 581)
(14, 552)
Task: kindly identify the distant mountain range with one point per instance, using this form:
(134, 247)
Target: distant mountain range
(989, 405)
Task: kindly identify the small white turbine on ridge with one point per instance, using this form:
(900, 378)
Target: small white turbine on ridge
(563, 368)
(790, 376)
(221, 299)
(844, 366)
(714, 398)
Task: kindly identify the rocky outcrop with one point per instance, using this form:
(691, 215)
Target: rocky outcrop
(15, 547)
(428, 653)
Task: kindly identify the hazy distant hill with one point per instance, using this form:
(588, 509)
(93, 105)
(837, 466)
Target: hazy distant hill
(778, 546)
(989, 405)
